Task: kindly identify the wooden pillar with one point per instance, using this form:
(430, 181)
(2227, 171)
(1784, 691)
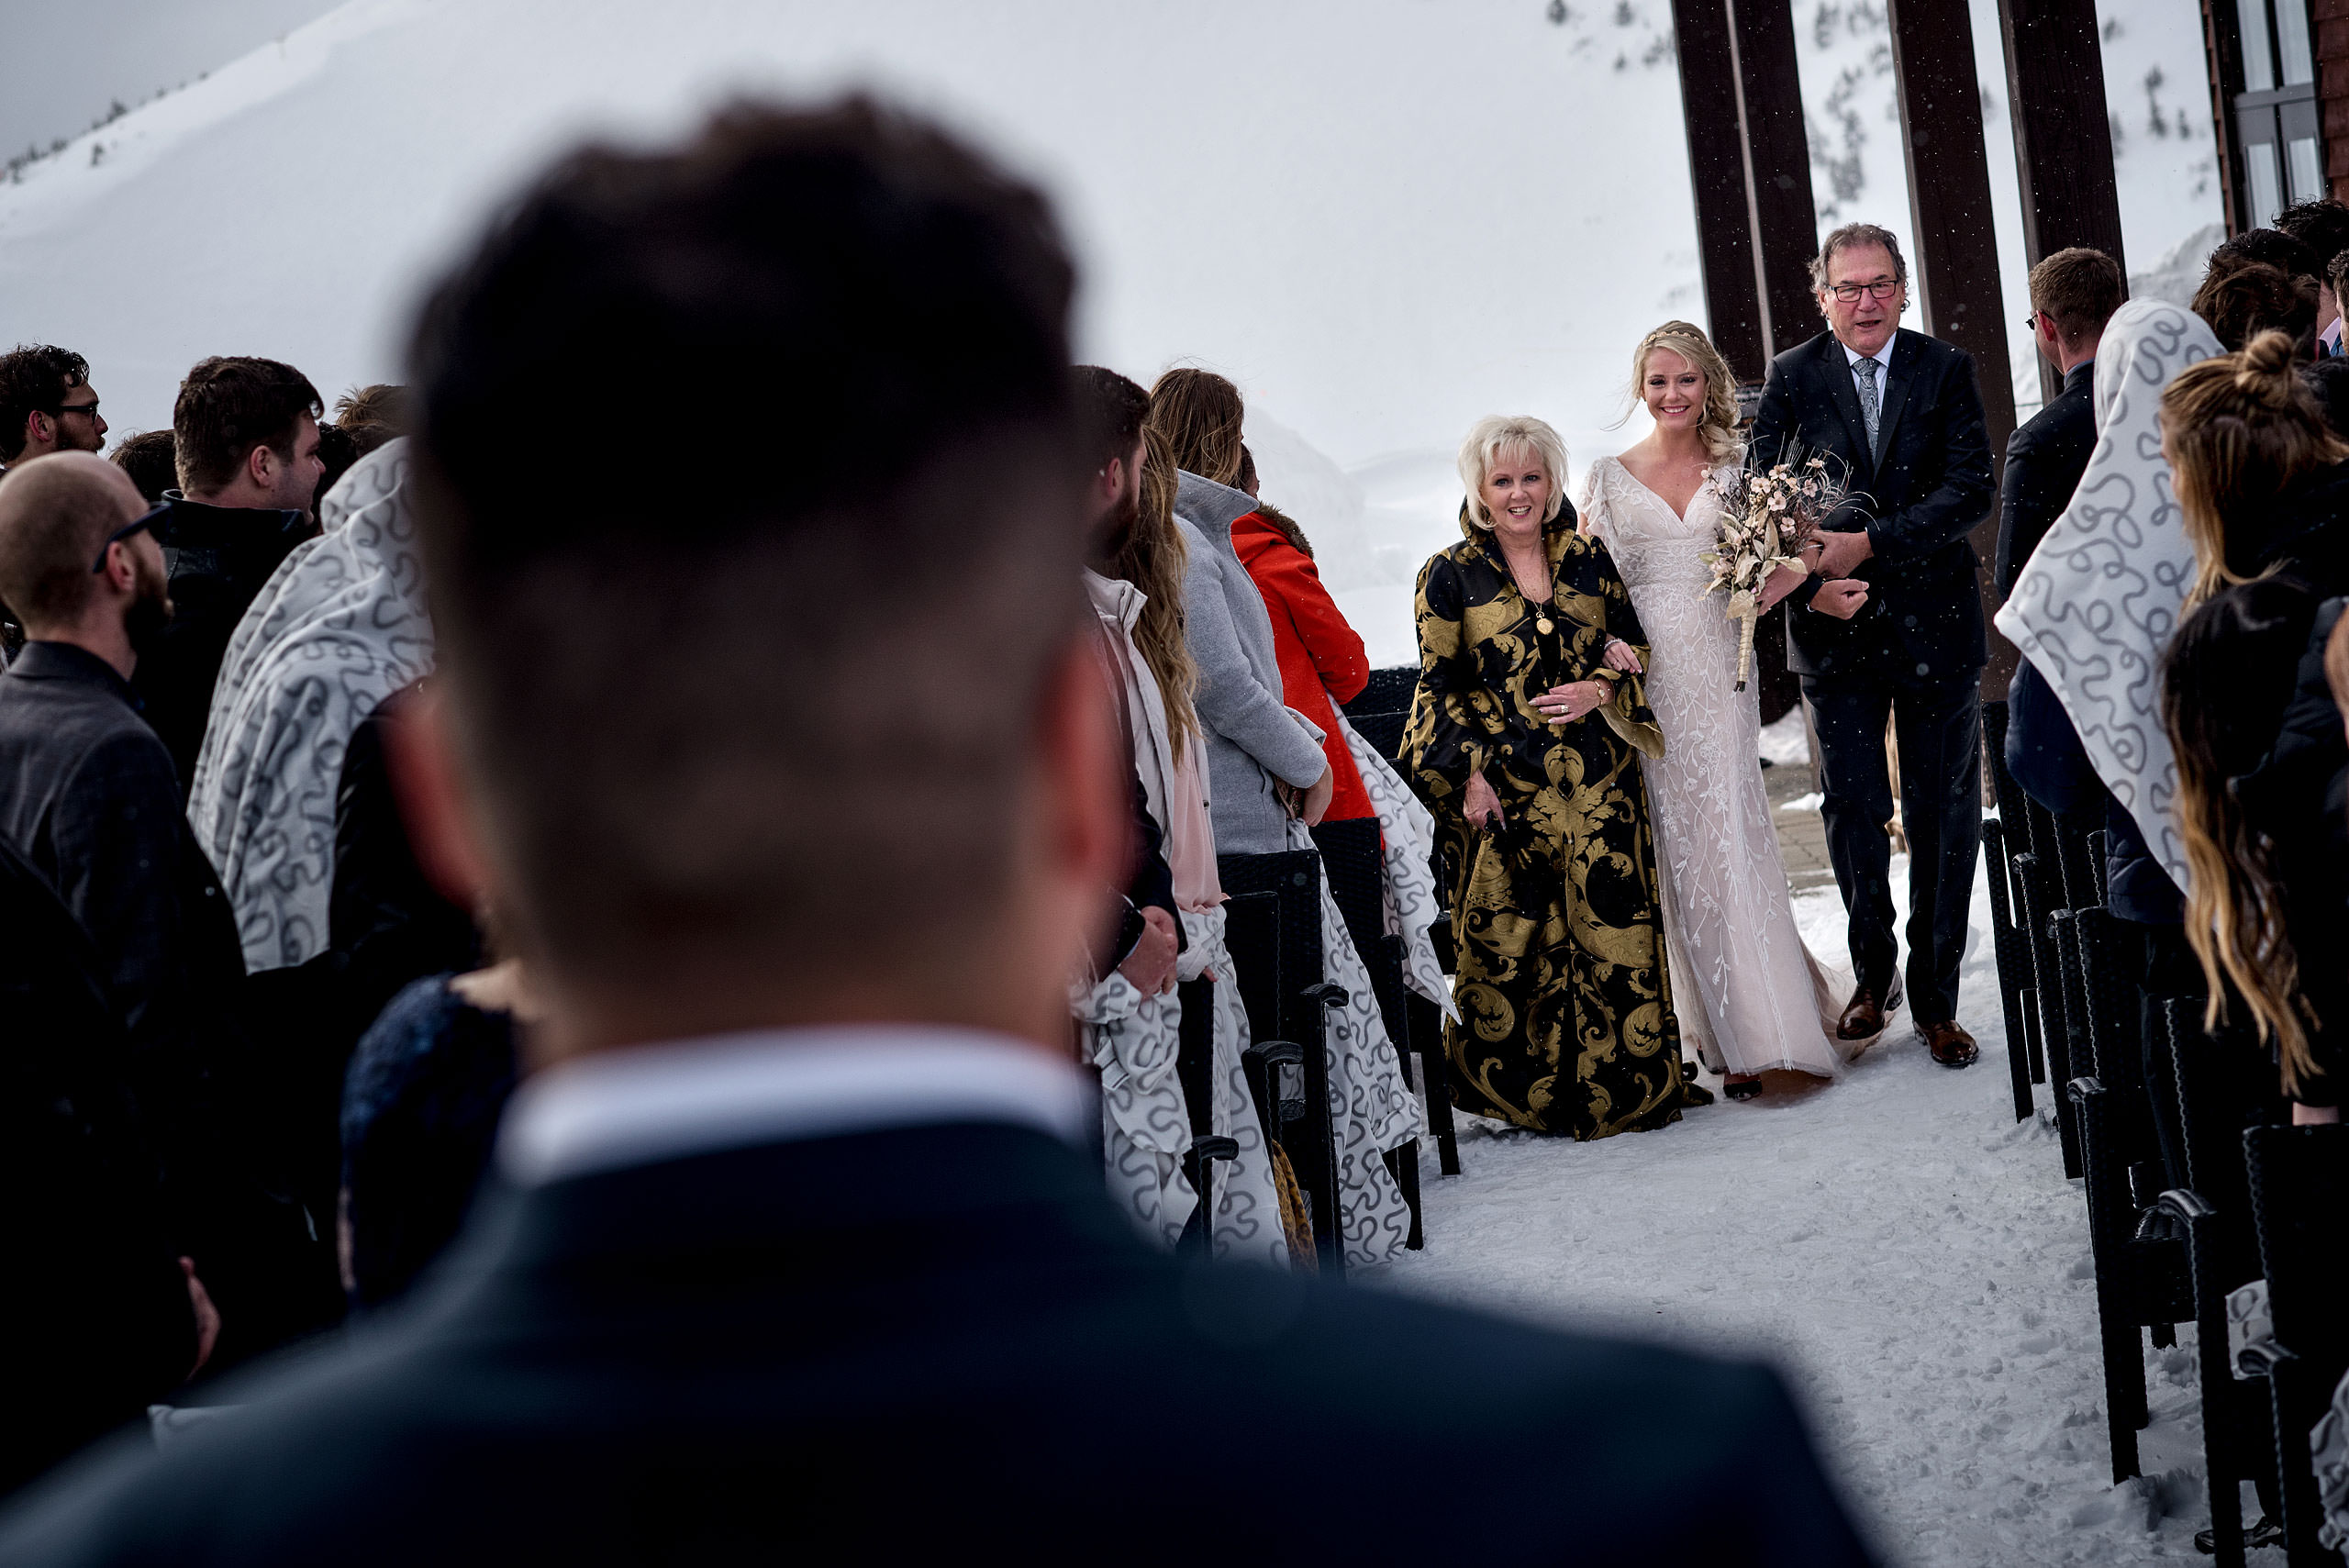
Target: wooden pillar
(1717, 175)
(1781, 214)
(1957, 250)
(2222, 53)
(2062, 135)
(2332, 90)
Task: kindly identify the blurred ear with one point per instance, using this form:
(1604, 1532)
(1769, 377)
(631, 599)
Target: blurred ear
(421, 760)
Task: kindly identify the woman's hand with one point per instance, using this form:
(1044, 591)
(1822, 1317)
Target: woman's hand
(1484, 808)
(1575, 700)
(1842, 599)
(1620, 656)
(1781, 582)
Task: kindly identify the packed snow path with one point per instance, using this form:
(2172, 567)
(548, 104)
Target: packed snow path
(1911, 1255)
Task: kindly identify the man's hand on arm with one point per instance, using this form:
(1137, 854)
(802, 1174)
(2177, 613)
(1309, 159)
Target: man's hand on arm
(1150, 966)
(1840, 555)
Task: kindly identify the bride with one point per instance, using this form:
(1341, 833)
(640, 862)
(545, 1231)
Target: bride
(1751, 999)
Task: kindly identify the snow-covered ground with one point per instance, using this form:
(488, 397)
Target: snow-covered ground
(1908, 1251)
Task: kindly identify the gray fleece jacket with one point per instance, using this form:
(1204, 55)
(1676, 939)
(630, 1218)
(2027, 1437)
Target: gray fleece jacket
(1253, 739)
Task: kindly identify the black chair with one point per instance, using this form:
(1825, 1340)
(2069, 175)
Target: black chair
(1352, 860)
(2008, 940)
(1195, 1067)
(1426, 1020)
(2062, 1021)
(2143, 1277)
(1273, 925)
(2298, 1180)
(2218, 1097)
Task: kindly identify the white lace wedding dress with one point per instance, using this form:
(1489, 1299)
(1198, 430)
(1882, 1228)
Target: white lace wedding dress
(1751, 996)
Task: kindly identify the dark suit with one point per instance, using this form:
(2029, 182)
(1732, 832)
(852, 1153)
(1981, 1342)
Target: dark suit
(942, 1344)
(1913, 655)
(2044, 460)
(97, 1306)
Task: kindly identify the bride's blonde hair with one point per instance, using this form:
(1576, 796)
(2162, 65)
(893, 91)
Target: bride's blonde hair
(1719, 425)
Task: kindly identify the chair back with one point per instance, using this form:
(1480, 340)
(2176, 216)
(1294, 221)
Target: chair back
(2297, 1178)
(1382, 708)
(2218, 1095)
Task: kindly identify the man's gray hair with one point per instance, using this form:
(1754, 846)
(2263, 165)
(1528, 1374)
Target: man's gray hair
(1847, 237)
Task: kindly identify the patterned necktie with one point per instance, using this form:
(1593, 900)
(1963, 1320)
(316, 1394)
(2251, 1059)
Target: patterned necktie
(1869, 407)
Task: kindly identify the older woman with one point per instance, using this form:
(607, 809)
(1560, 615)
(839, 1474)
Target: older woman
(1525, 737)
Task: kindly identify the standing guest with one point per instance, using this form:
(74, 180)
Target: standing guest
(1321, 659)
(1524, 739)
(420, 1123)
(151, 459)
(2072, 294)
(2270, 247)
(1899, 411)
(2323, 226)
(338, 450)
(1264, 766)
(88, 795)
(118, 1316)
(2328, 380)
(291, 804)
(47, 405)
(782, 1220)
(2336, 277)
(2242, 298)
(248, 439)
(2261, 481)
(375, 414)
(2093, 612)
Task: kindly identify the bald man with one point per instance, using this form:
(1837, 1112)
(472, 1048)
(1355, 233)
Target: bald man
(89, 796)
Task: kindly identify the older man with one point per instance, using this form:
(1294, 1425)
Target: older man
(798, 802)
(1900, 413)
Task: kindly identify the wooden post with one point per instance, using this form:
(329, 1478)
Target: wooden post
(2223, 53)
(2062, 137)
(1782, 216)
(1957, 251)
(1717, 172)
(2333, 89)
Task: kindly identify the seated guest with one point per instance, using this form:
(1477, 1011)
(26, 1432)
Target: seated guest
(111, 1316)
(47, 405)
(88, 795)
(420, 1119)
(2072, 294)
(1264, 766)
(783, 1218)
(2242, 298)
(248, 434)
(151, 459)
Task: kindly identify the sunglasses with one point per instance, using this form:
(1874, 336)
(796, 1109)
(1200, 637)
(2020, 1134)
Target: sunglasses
(145, 519)
(91, 408)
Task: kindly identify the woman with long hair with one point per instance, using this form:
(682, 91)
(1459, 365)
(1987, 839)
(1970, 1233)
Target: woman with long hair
(1524, 733)
(1269, 781)
(2226, 685)
(1751, 997)
(2261, 481)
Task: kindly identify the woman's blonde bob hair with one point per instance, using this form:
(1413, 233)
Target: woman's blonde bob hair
(1497, 436)
(1719, 426)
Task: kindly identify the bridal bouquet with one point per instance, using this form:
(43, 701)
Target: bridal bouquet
(1766, 519)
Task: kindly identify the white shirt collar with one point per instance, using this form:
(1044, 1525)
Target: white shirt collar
(1882, 356)
(647, 1104)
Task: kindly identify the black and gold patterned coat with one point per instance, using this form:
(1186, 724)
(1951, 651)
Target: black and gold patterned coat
(1566, 1022)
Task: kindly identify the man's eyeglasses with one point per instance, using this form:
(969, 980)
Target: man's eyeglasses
(145, 519)
(2031, 322)
(91, 408)
(1882, 288)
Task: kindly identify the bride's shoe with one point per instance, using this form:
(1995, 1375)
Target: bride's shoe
(1737, 1087)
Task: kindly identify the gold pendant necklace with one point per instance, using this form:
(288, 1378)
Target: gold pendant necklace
(1542, 625)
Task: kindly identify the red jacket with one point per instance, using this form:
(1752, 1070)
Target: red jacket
(1322, 656)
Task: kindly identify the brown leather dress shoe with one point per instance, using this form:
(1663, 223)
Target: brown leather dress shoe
(1863, 1017)
(1950, 1045)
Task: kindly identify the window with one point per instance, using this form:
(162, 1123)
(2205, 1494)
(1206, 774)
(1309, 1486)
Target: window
(2279, 137)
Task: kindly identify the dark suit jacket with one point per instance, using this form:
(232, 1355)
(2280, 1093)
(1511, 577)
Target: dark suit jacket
(1917, 498)
(95, 1308)
(88, 793)
(2044, 460)
(941, 1344)
(218, 558)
